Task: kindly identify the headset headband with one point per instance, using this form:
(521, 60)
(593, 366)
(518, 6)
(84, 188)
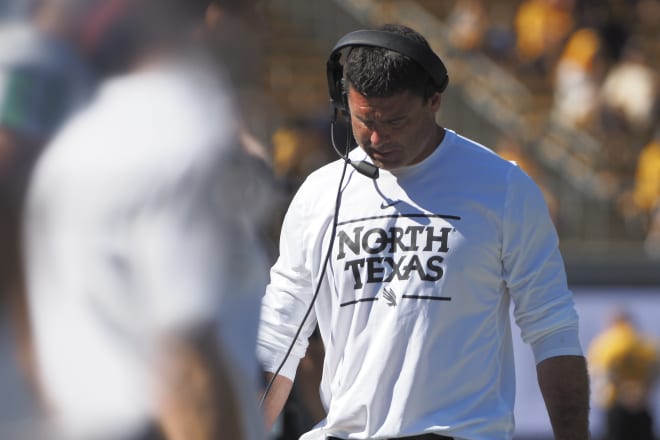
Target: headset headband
(419, 53)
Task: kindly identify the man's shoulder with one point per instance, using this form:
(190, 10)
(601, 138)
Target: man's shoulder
(475, 148)
(478, 161)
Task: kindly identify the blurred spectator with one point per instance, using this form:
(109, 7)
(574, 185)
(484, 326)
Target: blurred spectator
(641, 204)
(144, 270)
(541, 28)
(499, 40)
(627, 103)
(646, 193)
(629, 92)
(577, 78)
(43, 80)
(467, 23)
(614, 19)
(624, 368)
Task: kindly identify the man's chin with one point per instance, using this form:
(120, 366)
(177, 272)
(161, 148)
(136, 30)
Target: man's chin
(387, 166)
(384, 164)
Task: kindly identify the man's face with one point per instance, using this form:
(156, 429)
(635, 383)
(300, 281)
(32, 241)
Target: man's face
(396, 131)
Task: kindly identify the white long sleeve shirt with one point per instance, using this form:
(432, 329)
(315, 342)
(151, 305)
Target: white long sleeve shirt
(414, 306)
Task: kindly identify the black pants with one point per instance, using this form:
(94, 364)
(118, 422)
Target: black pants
(414, 437)
(626, 424)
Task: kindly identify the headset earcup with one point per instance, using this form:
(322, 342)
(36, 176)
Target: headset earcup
(335, 73)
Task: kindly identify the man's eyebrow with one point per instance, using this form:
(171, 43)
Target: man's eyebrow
(389, 120)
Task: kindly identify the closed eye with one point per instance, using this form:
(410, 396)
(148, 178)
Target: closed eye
(395, 123)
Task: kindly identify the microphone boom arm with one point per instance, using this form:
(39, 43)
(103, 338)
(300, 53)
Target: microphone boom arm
(363, 167)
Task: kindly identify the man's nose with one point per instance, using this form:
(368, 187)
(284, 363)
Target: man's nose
(379, 135)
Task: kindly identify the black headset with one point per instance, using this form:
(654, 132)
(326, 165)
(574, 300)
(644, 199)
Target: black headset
(418, 52)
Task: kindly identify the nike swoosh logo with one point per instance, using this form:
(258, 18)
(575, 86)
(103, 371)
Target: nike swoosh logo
(384, 205)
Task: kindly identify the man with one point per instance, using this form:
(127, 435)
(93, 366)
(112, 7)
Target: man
(413, 306)
(144, 272)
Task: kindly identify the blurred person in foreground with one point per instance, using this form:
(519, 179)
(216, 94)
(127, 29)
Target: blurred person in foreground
(43, 80)
(624, 366)
(413, 306)
(144, 271)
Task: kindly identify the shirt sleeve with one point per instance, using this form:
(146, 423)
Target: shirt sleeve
(289, 294)
(534, 272)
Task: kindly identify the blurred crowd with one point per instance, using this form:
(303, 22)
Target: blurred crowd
(591, 65)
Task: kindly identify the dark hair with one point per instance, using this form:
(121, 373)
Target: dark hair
(379, 72)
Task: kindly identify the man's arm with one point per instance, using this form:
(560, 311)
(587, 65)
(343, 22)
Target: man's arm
(198, 401)
(564, 383)
(276, 398)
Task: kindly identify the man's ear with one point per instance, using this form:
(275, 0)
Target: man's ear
(434, 101)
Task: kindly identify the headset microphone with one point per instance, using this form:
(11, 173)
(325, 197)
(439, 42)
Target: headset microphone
(365, 168)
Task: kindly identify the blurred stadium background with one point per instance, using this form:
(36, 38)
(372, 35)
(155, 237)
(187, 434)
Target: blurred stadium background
(510, 90)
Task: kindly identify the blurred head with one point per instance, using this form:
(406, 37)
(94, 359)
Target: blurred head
(113, 33)
(393, 102)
